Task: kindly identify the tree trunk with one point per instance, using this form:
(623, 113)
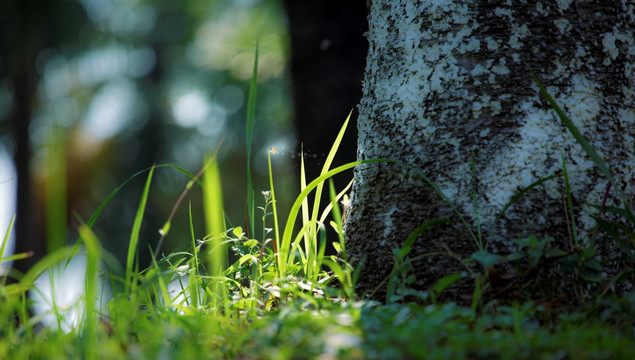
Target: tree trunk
(445, 85)
(26, 28)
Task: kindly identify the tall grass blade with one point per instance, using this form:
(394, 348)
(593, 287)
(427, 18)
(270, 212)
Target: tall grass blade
(163, 292)
(327, 210)
(327, 166)
(110, 196)
(215, 223)
(295, 246)
(194, 278)
(166, 227)
(337, 217)
(287, 234)
(281, 260)
(343, 276)
(305, 202)
(407, 246)
(136, 229)
(320, 257)
(584, 143)
(514, 199)
(93, 258)
(595, 157)
(401, 256)
(251, 114)
(93, 218)
(438, 190)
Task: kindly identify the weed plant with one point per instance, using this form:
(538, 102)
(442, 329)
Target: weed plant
(280, 297)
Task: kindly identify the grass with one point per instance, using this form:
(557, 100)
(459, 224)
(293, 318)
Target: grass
(271, 293)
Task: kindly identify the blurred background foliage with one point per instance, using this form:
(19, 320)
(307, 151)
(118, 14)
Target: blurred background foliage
(133, 83)
(136, 82)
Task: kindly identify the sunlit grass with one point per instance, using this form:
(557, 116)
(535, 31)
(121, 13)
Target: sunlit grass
(271, 293)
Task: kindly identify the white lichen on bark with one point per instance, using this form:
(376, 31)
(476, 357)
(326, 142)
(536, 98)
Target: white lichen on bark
(445, 79)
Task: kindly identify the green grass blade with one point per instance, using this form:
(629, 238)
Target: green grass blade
(193, 238)
(327, 165)
(19, 256)
(320, 257)
(584, 143)
(343, 276)
(281, 259)
(401, 256)
(166, 226)
(407, 246)
(163, 288)
(93, 218)
(327, 210)
(595, 157)
(442, 284)
(337, 216)
(110, 196)
(215, 224)
(93, 258)
(5, 241)
(251, 114)
(136, 229)
(28, 280)
(445, 198)
(514, 199)
(305, 202)
(295, 247)
(194, 279)
(288, 229)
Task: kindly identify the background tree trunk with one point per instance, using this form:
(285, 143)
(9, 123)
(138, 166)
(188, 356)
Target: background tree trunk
(26, 28)
(327, 67)
(445, 80)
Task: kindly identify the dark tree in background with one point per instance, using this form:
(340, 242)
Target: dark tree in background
(328, 56)
(29, 26)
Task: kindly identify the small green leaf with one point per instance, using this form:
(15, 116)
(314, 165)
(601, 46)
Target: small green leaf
(515, 256)
(555, 253)
(446, 281)
(593, 265)
(569, 263)
(589, 252)
(534, 256)
(522, 242)
(485, 258)
(238, 232)
(591, 276)
(251, 243)
(246, 258)
(405, 249)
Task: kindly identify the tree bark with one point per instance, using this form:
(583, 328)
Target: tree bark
(445, 85)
